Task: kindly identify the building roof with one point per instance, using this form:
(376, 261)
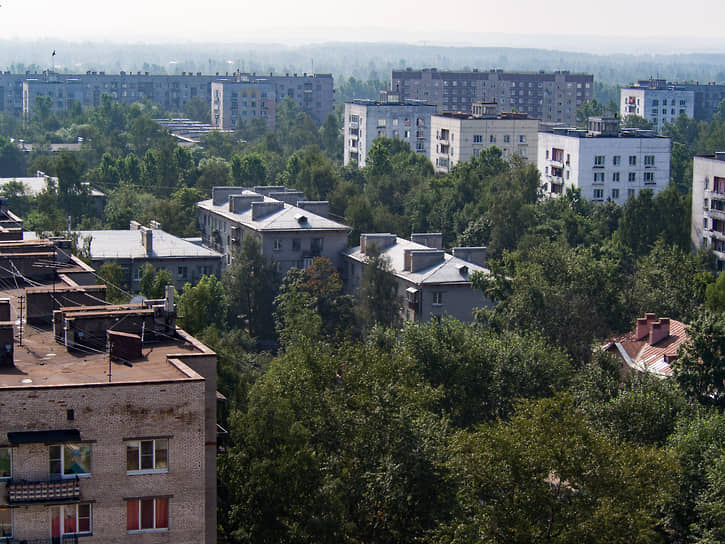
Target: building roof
(36, 185)
(127, 244)
(449, 271)
(642, 355)
(287, 218)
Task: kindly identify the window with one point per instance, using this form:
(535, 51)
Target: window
(150, 514)
(5, 463)
(70, 519)
(147, 456)
(649, 160)
(307, 262)
(477, 139)
(598, 194)
(599, 160)
(633, 160)
(615, 193)
(276, 244)
(296, 244)
(437, 298)
(557, 155)
(507, 139)
(522, 139)
(632, 176)
(317, 245)
(70, 460)
(649, 178)
(182, 272)
(615, 176)
(616, 160)
(598, 177)
(630, 192)
(6, 523)
(492, 139)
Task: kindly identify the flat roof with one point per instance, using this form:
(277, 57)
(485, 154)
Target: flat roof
(126, 244)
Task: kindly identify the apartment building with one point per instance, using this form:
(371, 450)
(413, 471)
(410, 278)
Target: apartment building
(138, 246)
(457, 137)
(109, 427)
(604, 162)
(657, 101)
(312, 93)
(236, 103)
(431, 282)
(366, 120)
(708, 205)
(548, 96)
(291, 230)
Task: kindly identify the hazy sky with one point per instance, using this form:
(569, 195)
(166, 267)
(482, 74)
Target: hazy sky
(455, 21)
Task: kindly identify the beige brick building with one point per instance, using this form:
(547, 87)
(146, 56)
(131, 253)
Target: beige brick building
(108, 427)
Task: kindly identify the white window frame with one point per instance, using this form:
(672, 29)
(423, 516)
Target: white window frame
(62, 447)
(62, 508)
(437, 298)
(277, 244)
(154, 462)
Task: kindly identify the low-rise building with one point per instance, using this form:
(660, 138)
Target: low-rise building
(108, 431)
(366, 120)
(651, 346)
(133, 249)
(708, 205)
(291, 230)
(458, 137)
(604, 162)
(431, 282)
(657, 101)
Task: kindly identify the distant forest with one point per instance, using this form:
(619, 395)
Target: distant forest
(363, 61)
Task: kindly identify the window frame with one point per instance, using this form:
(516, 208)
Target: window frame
(139, 502)
(75, 506)
(437, 298)
(61, 460)
(9, 536)
(154, 450)
(10, 464)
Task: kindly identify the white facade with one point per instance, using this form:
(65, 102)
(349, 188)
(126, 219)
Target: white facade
(458, 137)
(659, 106)
(603, 167)
(367, 120)
(708, 205)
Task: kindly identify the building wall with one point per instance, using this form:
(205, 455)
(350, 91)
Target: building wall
(708, 208)
(467, 137)
(234, 104)
(365, 122)
(659, 106)
(107, 415)
(547, 96)
(580, 171)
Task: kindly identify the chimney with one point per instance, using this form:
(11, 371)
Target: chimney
(262, 209)
(475, 255)
(420, 259)
(431, 239)
(147, 239)
(318, 207)
(659, 331)
(382, 241)
(241, 203)
(134, 225)
(642, 328)
(219, 195)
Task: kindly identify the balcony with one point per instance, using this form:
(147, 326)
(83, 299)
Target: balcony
(21, 491)
(65, 539)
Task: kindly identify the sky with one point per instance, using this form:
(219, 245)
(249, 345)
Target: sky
(696, 24)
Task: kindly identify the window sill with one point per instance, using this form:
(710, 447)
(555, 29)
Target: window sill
(153, 471)
(140, 531)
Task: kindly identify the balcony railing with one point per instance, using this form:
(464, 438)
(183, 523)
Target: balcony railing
(65, 539)
(45, 491)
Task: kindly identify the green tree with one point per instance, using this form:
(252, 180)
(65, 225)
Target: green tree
(153, 282)
(197, 108)
(377, 298)
(251, 284)
(715, 295)
(112, 275)
(202, 305)
(700, 367)
(249, 170)
(12, 161)
(636, 121)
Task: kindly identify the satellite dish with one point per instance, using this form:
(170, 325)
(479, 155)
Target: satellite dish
(138, 299)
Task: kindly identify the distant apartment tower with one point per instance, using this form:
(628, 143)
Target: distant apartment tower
(708, 205)
(547, 96)
(366, 120)
(657, 101)
(458, 137)
(236, 103)
(604, 162)
(312, 93)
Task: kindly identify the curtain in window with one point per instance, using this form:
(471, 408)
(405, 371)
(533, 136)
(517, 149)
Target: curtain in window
(162, 513)
(132, 516)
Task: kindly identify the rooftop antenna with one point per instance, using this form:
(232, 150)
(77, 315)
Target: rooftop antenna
(313, 65)
(52, 62)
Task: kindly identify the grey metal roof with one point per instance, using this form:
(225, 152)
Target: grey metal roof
(446, 272)
(126, 244)
(284, 219)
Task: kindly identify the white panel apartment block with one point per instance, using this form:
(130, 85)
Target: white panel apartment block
(708, 205)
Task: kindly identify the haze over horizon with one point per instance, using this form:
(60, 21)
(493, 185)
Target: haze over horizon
(621, 27)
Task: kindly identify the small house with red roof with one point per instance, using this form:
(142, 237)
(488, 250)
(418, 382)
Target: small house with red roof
(651, 346)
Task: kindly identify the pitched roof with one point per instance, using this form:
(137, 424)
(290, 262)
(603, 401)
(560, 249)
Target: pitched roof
(126, 244)
(285, 219)
(641, 355)
(448, 271)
